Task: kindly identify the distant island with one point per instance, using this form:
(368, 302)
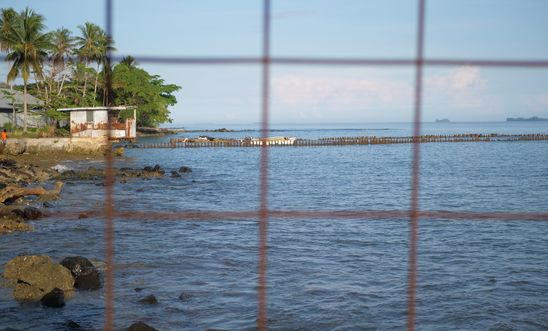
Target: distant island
(522, 119)
(443, 120)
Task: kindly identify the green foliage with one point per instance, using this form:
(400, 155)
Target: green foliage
(8, 126)
(62, 132)
(65, 71)
(136, 87)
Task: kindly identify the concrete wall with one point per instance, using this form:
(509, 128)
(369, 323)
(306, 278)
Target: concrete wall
(80, 127)
(57, 145)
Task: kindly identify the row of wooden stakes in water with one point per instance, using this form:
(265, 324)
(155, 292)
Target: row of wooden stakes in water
(335, 141)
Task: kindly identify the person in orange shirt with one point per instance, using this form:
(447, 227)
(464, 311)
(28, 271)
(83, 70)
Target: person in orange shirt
(4, 137)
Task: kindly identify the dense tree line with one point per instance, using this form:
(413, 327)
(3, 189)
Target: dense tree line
(66, 70)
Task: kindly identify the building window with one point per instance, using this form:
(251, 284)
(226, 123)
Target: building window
(89, 116)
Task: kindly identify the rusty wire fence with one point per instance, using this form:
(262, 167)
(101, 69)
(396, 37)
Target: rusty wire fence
(263, 214)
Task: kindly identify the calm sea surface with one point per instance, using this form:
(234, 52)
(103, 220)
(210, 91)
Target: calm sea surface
(322, 274)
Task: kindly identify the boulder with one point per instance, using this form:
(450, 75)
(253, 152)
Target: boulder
(175, 174)
(15, 148)
(149, 299)
(185, 296)
(36, 276)
(141, 326)
(185, 169)
(118, 151)
(10, 224)
(32, 213)
(86, 276)
(71, 325)
(54, 299)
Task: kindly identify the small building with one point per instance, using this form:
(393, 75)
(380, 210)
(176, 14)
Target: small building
(11, 109)
(93, 122)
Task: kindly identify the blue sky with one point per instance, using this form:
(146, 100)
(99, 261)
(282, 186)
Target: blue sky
(481, 29)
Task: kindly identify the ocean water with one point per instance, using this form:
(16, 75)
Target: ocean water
(323, 274)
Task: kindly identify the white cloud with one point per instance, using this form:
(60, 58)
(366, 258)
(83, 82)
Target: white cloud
(342, 93)
(462, 87)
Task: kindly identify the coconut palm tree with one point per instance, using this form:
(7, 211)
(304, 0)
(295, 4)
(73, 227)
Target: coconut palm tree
(89, 46)
(7, 19)
(105, 47)
(28, 45)
(129, 61)
(62, 46)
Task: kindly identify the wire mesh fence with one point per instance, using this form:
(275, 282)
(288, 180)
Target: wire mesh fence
(264, 214)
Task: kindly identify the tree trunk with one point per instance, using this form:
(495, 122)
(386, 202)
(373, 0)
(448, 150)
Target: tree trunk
(14, 113)
(62, 82)
(85, 82)
(96, 80)
(25, 106)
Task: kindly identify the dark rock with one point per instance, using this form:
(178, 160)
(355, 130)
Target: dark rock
(175, 174)
(54, 299)
(156, 168)
(71, 325)
(18, 212)
(86, 276)
(2, 185)
(32, 213)
(185, 169)
(47, 204)
(148, 169)
(138, 289)
(141, 326)
(149, 299)
(8, 164)
(82, 215)
(185, 296)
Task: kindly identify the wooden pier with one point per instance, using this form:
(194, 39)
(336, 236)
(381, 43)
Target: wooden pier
(340, 141)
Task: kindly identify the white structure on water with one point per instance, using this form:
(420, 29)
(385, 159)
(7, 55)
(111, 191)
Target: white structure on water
(93, 122)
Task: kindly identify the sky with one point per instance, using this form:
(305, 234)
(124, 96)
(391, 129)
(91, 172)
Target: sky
(215, 94)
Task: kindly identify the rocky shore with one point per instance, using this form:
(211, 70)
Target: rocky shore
(28, 184)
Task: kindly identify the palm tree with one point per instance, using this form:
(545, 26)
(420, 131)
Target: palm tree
(28, 45)
(105, 47)
(129, 61)
(7, 19)
(62, 43)
(89, 46)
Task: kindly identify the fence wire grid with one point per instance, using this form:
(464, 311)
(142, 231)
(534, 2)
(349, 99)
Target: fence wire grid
(263, 213)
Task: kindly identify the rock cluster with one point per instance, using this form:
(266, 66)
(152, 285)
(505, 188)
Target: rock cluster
(86, 276)
(92, 173)
(38, 278)
(35, 276)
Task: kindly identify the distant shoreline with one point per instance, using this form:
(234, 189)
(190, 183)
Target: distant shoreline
(530, 119)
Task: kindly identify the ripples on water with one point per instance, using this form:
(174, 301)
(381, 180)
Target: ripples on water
(323, 274)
